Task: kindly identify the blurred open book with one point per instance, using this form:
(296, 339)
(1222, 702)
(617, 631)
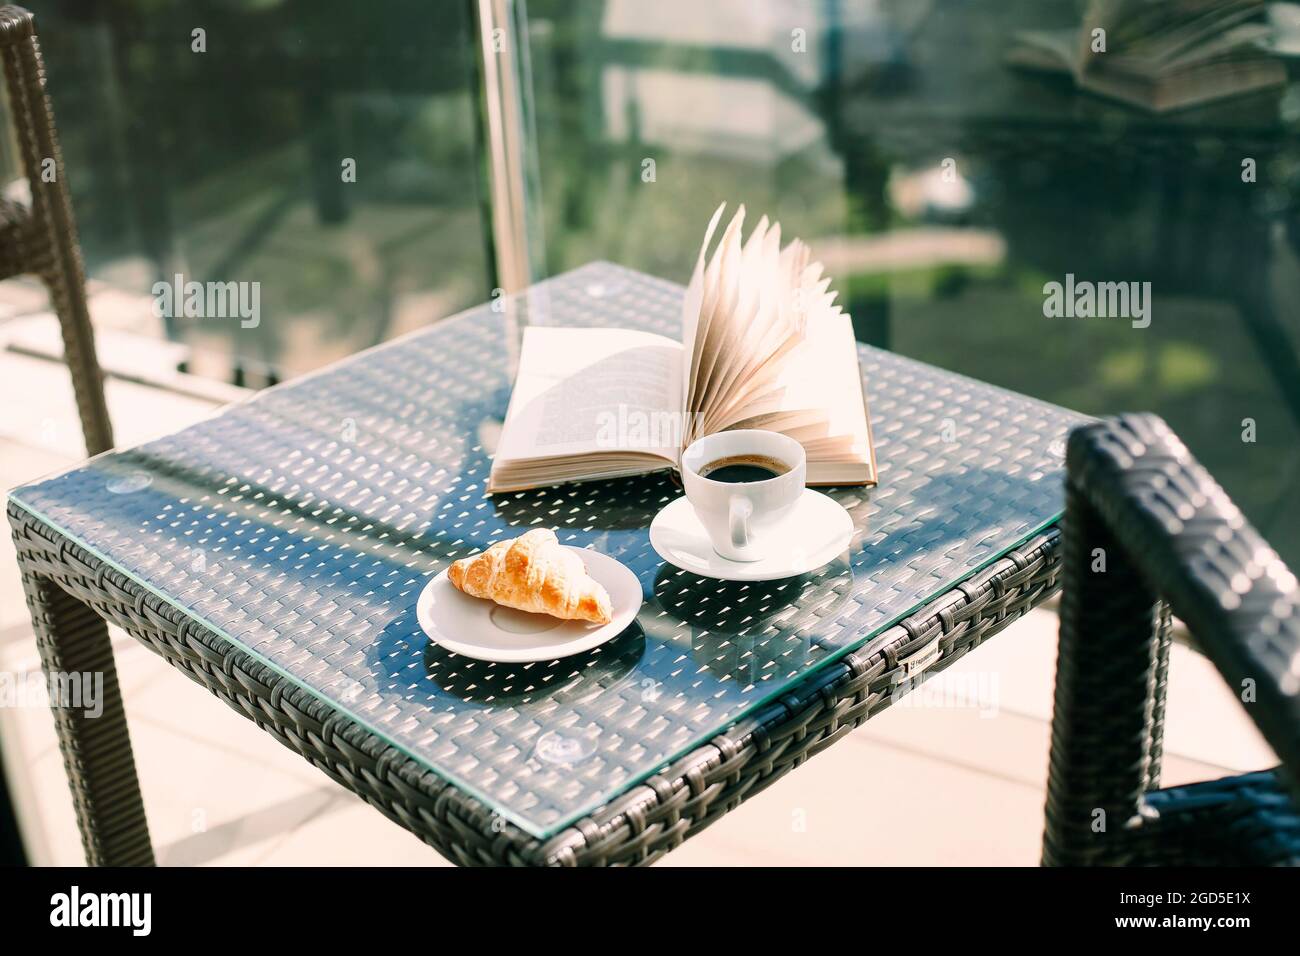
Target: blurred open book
(1159, 55)
(763, 346)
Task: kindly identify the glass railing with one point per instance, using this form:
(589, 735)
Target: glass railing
(946, 191)
(325, 150)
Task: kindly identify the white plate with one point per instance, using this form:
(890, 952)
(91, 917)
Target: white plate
(489, 632)
(817, 532)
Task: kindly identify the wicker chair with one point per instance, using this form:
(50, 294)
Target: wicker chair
(41, 240)
(1171, 540)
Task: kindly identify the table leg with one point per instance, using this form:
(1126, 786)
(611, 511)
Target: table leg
(73, 641)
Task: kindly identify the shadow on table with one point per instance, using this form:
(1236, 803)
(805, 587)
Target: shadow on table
(615, 504)
(570, 680)
(750, 631)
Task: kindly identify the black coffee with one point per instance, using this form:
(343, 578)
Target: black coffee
(740, 469)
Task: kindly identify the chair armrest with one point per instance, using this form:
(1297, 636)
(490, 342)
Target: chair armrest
(1194, 548)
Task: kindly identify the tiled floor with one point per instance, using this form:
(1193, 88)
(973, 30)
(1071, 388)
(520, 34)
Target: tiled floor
(954, 776)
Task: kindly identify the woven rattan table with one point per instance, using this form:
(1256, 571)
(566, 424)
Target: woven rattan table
(275, 552)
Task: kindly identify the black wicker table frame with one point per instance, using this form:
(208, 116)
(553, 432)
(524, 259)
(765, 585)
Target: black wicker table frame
(290, 625)
(72, 595)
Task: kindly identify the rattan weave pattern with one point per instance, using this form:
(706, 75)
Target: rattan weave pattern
(302, 524)
(636, 828)
(1172, 541)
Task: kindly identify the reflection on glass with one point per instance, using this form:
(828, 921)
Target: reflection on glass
(944, 187)
(324, 150)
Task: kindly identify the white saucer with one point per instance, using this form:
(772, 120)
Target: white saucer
(817, 531)
(489, 632)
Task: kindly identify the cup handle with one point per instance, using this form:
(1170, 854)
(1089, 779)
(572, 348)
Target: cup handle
(738, 513)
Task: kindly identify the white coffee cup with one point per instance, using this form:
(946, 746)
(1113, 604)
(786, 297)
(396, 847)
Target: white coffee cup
(741, 517)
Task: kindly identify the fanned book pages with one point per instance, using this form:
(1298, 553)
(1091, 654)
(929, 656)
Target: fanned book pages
(763, 346)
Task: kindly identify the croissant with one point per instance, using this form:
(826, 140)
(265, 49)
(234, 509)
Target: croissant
(534, 572)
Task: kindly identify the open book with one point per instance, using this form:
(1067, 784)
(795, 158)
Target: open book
(1158, 54)
(763, 346)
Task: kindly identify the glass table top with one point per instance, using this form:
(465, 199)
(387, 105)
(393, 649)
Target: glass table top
(302, 524)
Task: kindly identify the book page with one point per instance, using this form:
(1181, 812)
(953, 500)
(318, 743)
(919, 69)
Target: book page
(693, 303)
(764, 346)
(1049, 50)
(816, 392)
(836, 352)
(759, 326)
(584, 391)
(717, 303)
